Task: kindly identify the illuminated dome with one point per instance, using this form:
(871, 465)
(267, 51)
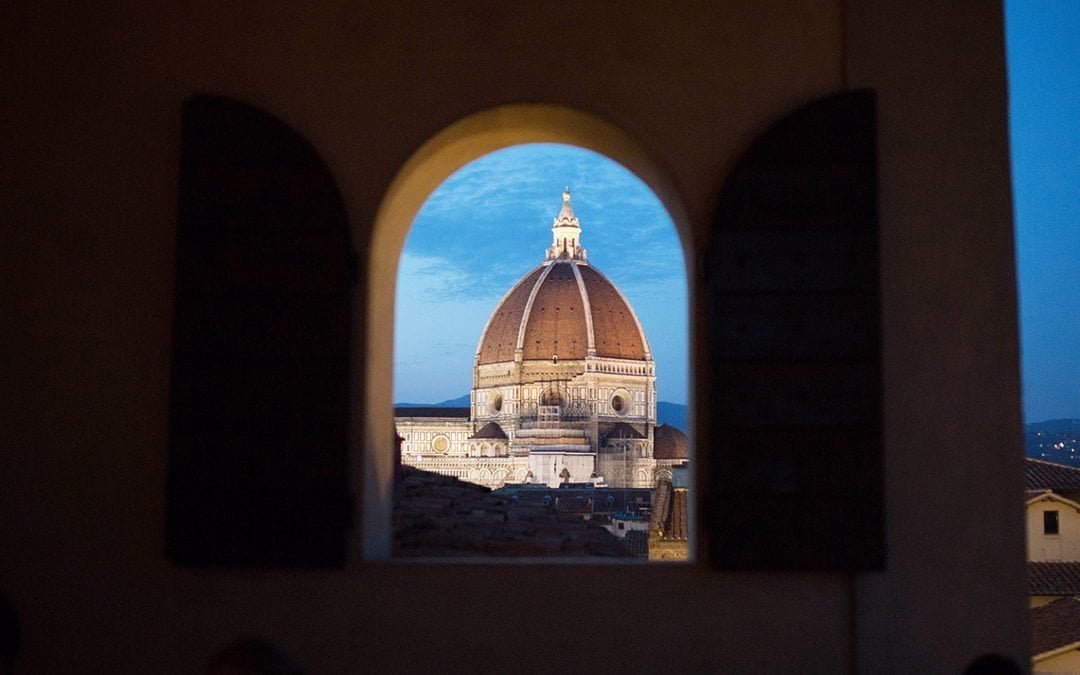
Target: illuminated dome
(564, 309)
(564, 386)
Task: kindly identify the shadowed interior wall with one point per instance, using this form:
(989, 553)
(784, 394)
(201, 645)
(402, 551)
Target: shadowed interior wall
(794, 321)
(91, 143)
(259, 403)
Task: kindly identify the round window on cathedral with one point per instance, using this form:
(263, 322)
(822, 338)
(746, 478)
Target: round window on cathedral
(496, 403)
(440, 443)
(619, 403)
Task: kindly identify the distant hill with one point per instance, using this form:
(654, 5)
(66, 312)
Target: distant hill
(459, 402)
(1055, 426)
(672, 413)
(666, 413)
(1054, 440)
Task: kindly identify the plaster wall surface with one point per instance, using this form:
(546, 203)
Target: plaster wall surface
(1062, 546)
(950, 336)
(1060, 664)
(90, 131)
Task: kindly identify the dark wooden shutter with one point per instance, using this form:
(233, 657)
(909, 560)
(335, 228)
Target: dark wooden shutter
(795, 471)
(259, 400)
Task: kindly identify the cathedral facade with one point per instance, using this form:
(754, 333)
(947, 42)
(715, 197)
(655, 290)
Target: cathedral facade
(564, 386)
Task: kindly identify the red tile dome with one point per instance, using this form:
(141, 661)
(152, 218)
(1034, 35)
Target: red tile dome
(564, 308)
(670, 443)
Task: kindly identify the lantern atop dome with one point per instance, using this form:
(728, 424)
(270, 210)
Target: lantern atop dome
(566, 234)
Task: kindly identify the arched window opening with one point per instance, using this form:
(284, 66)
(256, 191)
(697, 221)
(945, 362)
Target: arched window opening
(508, 327)
(775, 355)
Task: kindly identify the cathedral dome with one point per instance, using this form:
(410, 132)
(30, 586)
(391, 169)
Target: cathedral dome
(563, 309)
(670, 443)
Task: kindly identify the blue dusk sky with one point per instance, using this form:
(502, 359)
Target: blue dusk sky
(488, 224)
(1043, 53)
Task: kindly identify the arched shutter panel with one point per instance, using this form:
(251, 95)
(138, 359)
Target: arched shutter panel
(795, 471)
(259, 399)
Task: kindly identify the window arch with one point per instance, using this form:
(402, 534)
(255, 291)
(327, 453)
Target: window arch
(457, 145)
(831, 141)
(552, 397)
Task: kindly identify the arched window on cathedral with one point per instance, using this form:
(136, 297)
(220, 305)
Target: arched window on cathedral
(553, 397)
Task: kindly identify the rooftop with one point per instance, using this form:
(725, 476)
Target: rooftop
(1054, 578)
(490, 430)
(441, 516)
(1042, 475)
(670, 443)
(1055, 625)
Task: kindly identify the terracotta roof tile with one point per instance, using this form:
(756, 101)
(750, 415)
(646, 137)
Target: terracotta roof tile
(1042, 475)
(438, 515)
(638, 542)
(605, 501)
(670, 443)
(557, 318)
(614, 326)
(490, 430)
(577, 504)
(556, 323)
(1054, 578)
(1055, 625)
(500, 339)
